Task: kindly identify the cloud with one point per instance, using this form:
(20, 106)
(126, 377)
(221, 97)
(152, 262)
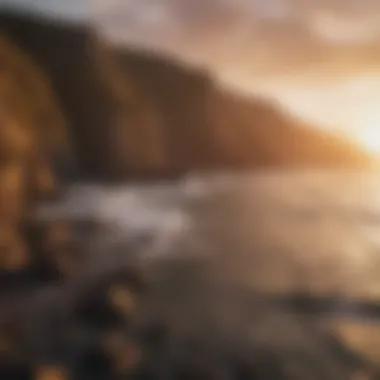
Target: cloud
(256, 35)
(255, 22)
(345, 30)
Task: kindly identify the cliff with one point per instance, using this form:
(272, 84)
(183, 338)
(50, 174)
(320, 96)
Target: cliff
(107, 119)
(207, 126)
(137, 114)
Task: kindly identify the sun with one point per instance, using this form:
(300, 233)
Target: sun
(369, 137)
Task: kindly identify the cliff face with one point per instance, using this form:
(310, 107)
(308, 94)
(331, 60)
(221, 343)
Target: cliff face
(181, 98)
(134, 114)
(257, 134)
(102, 106)
(33, 148)
(33, 127)
(208, 127)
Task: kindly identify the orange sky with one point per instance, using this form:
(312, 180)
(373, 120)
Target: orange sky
(320, 58)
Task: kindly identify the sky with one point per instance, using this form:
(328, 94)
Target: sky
(319, 58)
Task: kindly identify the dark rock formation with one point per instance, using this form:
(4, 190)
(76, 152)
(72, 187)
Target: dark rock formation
(181, 97)
(113, 129)
(29, 102)
(32, 141)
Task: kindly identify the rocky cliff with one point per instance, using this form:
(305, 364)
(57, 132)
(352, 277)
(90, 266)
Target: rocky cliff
(207, 127)
(137, 114)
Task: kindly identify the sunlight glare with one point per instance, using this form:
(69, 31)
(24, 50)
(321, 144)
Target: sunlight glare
(370, 137)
